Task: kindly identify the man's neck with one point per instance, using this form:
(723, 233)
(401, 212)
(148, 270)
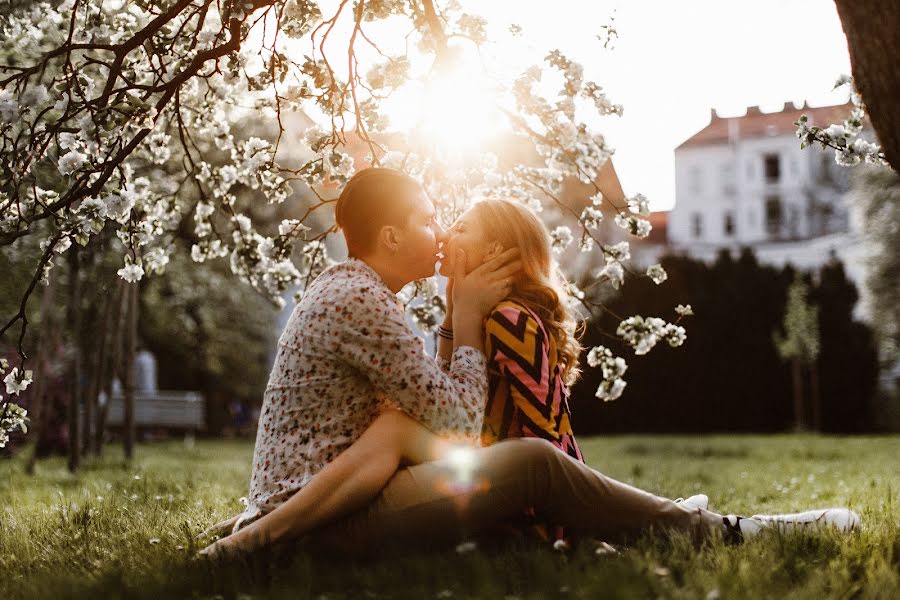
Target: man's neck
(393, 282)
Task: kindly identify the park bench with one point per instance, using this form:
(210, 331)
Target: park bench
(167, 409)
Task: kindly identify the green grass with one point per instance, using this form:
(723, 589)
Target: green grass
(119, 530)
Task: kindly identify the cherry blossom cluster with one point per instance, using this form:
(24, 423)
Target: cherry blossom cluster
(642, 334)
(12, 416)
(612, 368)
(129, 119)
(850, 148)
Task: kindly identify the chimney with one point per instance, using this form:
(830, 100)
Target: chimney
(713, 115)
(753, 110)
(788, 106)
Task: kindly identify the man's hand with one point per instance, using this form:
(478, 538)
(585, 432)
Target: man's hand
(479, 291)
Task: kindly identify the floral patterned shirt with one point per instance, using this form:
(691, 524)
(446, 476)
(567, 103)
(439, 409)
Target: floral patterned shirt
(347, 353)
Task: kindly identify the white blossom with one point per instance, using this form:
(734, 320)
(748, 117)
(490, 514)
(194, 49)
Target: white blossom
(614, 272)
(612, 369)
(591, 217)
(637, 227)
(684, 310)
(71, 161)
(34, 96)
(9, 106)
(640, 333)
(156, 260)
(291, 226)
(674, 334)
(657, 274)
(560, 238)
(16, 382)
(13, 417)
(131, 272)
(639, 204)
(619, 252)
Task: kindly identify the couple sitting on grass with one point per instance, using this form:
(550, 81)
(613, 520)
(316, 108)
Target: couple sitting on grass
(365, 441)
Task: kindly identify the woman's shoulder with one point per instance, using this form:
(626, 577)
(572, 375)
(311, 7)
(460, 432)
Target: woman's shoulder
(514, 315)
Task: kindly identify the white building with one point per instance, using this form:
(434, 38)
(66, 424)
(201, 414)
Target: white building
(745, 181)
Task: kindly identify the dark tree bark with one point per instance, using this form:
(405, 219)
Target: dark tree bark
(873, 38)
(814, 395)
(799, 412)
(113, 365)
(91, 433)
(74, 371)
(45, 343)
(130, 350)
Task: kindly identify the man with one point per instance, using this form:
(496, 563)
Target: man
(347, 354)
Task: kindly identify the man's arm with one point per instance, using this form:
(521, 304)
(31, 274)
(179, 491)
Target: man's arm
(373, 337)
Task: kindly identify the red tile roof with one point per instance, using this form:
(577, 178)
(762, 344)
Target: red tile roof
(660, 222)
(759, 124)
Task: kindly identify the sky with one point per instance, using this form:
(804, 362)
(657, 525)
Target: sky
(673, 61)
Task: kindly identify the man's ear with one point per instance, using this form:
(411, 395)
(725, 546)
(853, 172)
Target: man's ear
(494, 249)
(390, 238)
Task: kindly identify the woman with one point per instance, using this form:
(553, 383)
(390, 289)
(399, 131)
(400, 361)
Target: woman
(532, 353)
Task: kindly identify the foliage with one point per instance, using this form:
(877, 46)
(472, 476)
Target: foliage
(205, 331)
(122, 117)
(876, 195)
(801, 326)
(129, 531)
(729, 376)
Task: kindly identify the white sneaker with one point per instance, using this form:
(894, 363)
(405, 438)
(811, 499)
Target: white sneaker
(696, 501)
(742, 528)
(843, 518)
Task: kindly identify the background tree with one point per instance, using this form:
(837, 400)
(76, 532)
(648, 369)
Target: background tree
(875, 196)
(116, 120)
(871, 29)
(800, 345)
(729, 376)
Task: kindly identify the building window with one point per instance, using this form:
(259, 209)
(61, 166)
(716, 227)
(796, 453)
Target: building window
(696, 177)
(729, 223)
(773, 168)
(774, 215)
(728, 187)
(697, 225)
(750, 170)
(826, 161)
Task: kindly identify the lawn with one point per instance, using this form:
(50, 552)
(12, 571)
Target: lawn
(120, 530)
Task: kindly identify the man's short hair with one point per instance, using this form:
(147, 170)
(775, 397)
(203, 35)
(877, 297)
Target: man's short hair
(373, 198)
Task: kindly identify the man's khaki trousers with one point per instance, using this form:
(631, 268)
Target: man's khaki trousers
(449, 500)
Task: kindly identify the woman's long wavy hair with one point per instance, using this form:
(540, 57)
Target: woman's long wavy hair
(539, 285)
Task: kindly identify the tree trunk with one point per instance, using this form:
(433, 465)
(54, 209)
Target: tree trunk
(128, 434)
(797, 372)
(74, 371)
(814, 395)
(91, 432)
(40, 372)
(873, 38)
(113, 366)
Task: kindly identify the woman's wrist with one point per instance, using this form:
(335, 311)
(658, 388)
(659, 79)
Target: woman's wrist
(466, 330)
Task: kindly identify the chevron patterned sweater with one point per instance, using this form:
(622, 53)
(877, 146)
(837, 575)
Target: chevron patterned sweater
(526, 393)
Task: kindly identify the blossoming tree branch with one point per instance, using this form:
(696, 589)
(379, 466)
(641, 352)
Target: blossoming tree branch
(127, 119)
